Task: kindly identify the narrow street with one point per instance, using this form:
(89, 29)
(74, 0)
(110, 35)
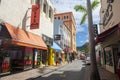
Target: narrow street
(72, 71)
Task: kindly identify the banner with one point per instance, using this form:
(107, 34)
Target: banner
(35, 16)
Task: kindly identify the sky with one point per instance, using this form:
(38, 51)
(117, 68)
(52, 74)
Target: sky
(82, 35)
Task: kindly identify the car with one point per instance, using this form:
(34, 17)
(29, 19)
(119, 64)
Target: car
(88, 61)
(82, 57)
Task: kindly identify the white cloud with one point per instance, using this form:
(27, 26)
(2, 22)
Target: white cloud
(81, 41)
(79, 29)
(87, 40)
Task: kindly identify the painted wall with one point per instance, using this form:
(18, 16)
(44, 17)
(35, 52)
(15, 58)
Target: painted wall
(110, 13)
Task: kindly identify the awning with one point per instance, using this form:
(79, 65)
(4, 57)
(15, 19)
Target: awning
(56, 46)
(101, 37)
(24, 38)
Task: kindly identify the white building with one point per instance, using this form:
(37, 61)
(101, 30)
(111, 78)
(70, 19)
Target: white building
(18, 13)
(62, 29)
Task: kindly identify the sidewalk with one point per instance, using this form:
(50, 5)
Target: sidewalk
(106, 75)
(30, 74)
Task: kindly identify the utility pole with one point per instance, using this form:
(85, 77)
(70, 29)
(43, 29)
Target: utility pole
(94, 75)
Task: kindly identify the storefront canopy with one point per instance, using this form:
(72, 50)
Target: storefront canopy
(101, 37)
(56, 46)
(24, 38)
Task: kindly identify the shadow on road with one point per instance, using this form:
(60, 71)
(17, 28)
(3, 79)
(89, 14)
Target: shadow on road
(65, 75)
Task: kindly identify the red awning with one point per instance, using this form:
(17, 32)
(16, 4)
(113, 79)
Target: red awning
(24, 38)
(101, 37)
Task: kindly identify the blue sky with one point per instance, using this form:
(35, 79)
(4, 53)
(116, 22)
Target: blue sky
(81, 30)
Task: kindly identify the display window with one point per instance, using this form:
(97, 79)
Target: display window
(28, 58)
(108, 56)
(4, 61)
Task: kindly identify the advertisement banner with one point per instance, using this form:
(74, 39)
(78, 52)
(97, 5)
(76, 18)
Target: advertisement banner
(35, 16)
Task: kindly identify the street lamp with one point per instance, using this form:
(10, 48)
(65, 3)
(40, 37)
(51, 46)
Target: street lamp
(94, 75)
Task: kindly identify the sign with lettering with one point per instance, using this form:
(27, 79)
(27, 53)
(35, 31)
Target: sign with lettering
(35, 16)
(108, 14)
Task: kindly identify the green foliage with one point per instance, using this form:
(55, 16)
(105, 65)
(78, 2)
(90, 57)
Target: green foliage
(83, 9)
(83, 18)
(84, 48)
(80, 8)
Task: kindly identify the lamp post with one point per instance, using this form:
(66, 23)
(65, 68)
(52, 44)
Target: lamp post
(94, 75)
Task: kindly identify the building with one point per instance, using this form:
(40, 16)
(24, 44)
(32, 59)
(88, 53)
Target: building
(26, 32)
(60, 28)
(109, 37)
(68, 19)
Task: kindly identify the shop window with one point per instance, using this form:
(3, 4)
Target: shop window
(108, 56)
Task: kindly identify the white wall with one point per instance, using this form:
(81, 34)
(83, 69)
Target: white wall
(13, 11)
(115, 8)
(46, 24)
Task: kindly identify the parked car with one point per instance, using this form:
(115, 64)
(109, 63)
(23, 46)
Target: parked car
(82, 57)
(88, 61)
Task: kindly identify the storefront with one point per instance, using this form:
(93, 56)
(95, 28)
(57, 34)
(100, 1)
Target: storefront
(54, 54)
(19, 49)
(110, 45)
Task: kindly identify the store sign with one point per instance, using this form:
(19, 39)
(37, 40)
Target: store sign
(35, 16)
(108, 14)
(57, 37)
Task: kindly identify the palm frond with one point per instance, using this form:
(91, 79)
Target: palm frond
(83, 18)
(95, 4)
(80, 8)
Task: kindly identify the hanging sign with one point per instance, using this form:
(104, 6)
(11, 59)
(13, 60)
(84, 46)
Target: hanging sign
(35, 16)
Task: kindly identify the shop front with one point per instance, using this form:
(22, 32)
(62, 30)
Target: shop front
(54, 55)
(18, 49)
(110, 45)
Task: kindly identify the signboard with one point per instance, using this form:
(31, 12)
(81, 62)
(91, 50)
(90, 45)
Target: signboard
(35, 16)
(57, 37)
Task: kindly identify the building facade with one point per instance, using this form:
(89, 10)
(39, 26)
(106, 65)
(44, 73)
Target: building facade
(68, 19)
(26, 32)
(63, 30)
(109, 37)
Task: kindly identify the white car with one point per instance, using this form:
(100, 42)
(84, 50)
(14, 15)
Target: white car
(88, 61)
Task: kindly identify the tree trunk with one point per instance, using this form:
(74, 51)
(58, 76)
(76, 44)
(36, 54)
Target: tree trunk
(94, 75)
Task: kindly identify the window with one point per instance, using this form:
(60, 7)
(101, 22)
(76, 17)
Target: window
(108, 56)
(37, 1)
(44, 7)
(50, 12)
(59, 18)
(65, 17)
(32, 1)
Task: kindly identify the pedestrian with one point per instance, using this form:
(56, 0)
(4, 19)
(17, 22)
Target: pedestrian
(71, 59)
(60, 60)
(56, 61)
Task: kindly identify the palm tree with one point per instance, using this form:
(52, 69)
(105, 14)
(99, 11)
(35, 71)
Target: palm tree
(83, 9)
(87, 11)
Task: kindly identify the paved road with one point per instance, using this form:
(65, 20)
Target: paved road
(73, 71)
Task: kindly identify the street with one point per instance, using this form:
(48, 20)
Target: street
(72, 71)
